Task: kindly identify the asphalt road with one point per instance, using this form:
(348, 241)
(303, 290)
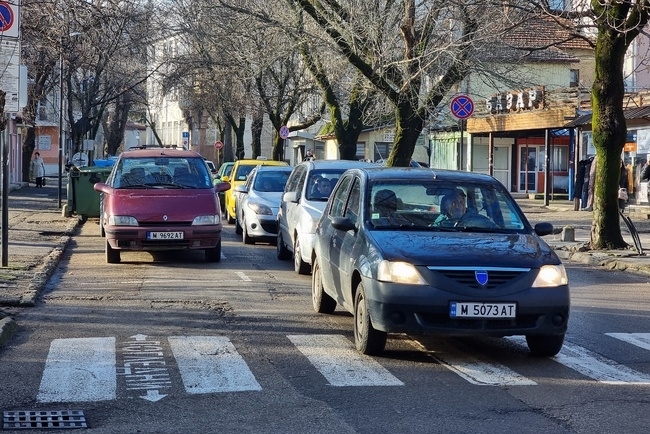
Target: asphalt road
(169, 343)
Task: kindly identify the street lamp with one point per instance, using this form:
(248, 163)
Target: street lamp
(61, 117)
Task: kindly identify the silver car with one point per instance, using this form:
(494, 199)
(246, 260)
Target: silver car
(256, 207)
(302, 205)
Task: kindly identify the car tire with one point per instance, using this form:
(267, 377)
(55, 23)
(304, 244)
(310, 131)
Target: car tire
(244, 234)
(281, 250)
(322, 301)
(367, 340)
(213, 254)
(112, 255)
(545, 345)
(237, 227)
(230, 219)
(300, 266)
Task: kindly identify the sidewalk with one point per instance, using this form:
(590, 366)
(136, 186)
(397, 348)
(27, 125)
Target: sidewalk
(39, 234)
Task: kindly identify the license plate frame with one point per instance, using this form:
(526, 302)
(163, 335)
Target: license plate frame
(482, 310)
(165, 235)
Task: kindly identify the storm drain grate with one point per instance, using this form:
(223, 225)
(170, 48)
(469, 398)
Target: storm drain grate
(65, 419)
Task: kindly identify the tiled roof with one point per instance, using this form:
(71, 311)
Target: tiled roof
(540, 32)
(633, 113)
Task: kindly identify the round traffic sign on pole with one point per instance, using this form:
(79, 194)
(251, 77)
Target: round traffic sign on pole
(218, 144)
(462, 106)
(284, 132)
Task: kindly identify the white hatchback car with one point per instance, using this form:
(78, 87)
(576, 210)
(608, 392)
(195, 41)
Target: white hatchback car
(302, 205)
(256, 207)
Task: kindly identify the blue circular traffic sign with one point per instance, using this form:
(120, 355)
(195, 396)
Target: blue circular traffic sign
(462, 106)
(6, 17)
(284, 132)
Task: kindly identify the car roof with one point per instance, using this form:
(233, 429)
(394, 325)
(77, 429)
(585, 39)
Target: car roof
(157, 152)
(337, 164)
(424, 173)
(273, 168)
(252, 162)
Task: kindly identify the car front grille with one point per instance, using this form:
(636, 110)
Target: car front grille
(151, 224)
(497, 277)
(270, 227)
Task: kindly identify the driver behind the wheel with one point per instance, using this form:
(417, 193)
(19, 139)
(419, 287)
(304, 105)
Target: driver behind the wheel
(452, 208)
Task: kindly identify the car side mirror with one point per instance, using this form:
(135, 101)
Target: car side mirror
(225, 178)
(241, 189)
(343, 224)
(543, 228)
(291, 196)
(222, 186)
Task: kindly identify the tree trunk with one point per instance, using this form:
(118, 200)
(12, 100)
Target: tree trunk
(407, 130)
(609, 134)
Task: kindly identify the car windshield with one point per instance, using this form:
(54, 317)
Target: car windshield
(271, 181)
(162, 172)
(442, 206)
(320, 184)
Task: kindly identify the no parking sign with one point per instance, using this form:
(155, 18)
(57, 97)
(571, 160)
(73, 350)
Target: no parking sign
(462, 106)
(9, 19)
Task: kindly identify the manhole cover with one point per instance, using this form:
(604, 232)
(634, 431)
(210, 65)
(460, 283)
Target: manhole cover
(44, 419)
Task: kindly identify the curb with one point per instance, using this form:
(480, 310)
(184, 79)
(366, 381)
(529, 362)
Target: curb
(7, 328)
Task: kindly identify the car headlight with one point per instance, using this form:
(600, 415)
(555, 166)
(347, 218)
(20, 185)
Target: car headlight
(259, 208)
(399, 272)
(206, 220)
(551, 276)
(122, 220)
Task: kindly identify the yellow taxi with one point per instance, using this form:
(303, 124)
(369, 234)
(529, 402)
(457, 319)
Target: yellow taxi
(240, 171)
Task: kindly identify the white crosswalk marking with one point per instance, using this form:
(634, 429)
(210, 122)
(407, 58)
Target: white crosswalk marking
(80, 369)
(336, 358)
(210, 364)
(597, 367)
(479, 372)
(641, 340)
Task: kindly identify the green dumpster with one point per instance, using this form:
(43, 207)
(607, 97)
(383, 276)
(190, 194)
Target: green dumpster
(83, 200)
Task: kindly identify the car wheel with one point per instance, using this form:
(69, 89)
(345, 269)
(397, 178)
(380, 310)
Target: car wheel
(112, 255)
(545, 346)
(300, 266)
(323, 303)
(281, 250)
(237, 227)
(245, 237)
(213, 254)
(231, 220)
(366, 339)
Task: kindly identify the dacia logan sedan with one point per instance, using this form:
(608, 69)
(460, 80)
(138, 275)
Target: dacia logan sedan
(425, 251)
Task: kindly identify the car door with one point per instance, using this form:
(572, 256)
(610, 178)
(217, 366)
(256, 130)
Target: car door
(288, 209)
(337, 243)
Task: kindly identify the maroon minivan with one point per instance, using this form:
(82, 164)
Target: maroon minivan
(160, 199)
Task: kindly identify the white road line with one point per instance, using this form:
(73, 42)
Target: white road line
(641, 340)
(339, 362)
(80, 369)
(599, 368)
(243, 276)
(210, 364)
(477, 371)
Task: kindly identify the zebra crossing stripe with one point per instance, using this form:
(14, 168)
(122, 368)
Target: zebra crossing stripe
(211, 364)
(641, 340)
(339, 362)
(479, 372)
(79, 369)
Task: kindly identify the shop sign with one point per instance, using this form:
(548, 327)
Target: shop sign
(516, 101)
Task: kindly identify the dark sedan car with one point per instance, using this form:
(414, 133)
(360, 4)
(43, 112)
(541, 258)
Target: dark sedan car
(160, 199)
(425, 251)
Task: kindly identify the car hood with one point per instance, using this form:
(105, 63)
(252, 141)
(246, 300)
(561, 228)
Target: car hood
(153, 204)
(269, 198)
(464, 249)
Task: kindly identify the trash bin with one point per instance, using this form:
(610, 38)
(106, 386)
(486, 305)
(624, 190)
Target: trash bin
(83, 200)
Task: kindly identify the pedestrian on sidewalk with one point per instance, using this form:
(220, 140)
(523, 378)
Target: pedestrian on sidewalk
(592, 185)
(623, 187)
(38, 169)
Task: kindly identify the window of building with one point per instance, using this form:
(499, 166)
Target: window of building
(574, 78)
